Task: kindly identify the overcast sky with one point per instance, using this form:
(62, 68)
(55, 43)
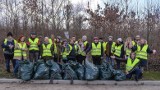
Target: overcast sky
(142, 4)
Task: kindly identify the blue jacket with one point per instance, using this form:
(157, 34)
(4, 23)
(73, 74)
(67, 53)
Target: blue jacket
(6, 48)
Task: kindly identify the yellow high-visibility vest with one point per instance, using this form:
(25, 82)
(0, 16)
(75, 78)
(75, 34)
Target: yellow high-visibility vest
(46, 50)
(33, 44)
(118, 50)
(81, 52)
(55, 46)
(131, 64)
(96, 50)
(142, 52)
(66, 52)
(19, 52)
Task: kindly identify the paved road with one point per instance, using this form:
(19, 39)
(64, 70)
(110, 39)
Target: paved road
(16, 86)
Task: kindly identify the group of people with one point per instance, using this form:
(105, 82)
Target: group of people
(133, 52)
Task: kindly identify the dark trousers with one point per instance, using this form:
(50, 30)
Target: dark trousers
(137, 73)
(118, 62)
(16, 66)
(80, 58)
(9, 58)
(96, 60)
(33, 56)
(110, 60)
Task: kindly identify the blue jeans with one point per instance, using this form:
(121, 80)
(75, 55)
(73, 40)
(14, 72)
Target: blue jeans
(137, 73)
(9, 58)
(16, 66)
(110, 60)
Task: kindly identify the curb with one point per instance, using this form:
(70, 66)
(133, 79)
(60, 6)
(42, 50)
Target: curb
(82, 82)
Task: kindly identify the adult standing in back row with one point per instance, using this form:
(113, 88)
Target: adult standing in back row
(96, 49)
(8, 49)
(33, 45)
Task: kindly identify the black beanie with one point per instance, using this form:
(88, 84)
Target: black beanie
(9, 34)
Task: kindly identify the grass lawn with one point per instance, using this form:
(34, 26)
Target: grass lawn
(151, 75)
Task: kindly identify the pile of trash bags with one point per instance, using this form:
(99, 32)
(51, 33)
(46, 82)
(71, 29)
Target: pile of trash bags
(72, 70)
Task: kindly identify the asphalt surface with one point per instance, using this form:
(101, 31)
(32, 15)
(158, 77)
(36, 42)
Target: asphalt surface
(18, 86)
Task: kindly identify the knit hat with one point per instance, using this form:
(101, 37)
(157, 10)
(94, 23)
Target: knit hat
(33, 33)
(84, 38)
(110, 37)
(119, 39)
(9, 34)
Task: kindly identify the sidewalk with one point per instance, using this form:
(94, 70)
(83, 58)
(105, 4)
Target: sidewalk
(82, 82)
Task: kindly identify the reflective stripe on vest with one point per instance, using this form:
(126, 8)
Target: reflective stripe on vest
(19, 52)
(46, 50)
(33, 44)
(131, 63)
(96, 50)
(118, 50)
(142, 52)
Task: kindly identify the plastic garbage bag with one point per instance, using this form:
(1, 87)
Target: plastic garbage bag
(25, 71)
(69, 72)
(54, 69)
(41, 70)
(119, 75)
(105, 71)
(80, 71)
(73, 65)
(91, 71)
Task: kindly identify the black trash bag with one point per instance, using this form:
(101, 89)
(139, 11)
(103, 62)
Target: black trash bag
(105, 71)
(54, 69)
(73, 64)
(119, 75)
(41, 70)
(25, 70)
(91, 71)
(71, 72)
(80, 72)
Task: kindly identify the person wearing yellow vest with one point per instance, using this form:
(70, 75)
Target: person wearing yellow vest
(83, 45)
(74, 39)
(142, 50)
(108, 50)
(8, 50)
(119, 52)
(81, 53)
(47, 50)
(136, 40)
(33, 45)
(57, 48)
(96, 49)
(66, 49)
(20, 53)
(73, 50)
(132, 67)
(129, 44)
